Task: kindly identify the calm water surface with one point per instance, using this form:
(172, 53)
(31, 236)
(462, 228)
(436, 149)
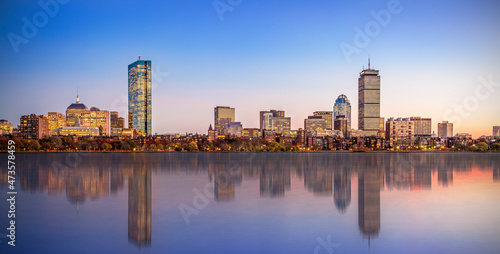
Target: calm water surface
(254, 203)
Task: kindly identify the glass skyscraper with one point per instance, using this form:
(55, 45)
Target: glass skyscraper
(369, 101)
(342, 108)
(139, 97)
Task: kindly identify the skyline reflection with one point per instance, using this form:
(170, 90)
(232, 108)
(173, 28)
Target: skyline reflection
(274, 177)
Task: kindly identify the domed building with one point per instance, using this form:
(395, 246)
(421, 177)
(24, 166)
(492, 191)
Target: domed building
(74, 111)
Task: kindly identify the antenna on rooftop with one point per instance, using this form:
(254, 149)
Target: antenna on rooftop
(139, 57)
(368, 62)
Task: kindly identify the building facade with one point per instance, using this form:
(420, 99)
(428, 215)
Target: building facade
(328, 116)
(250, 133)
(34, 126)
(234, 129)
(496, 131)
(340, 124)
(74, 111)
(6, 127)
(274, 122)
(223, 116)
(314, 123)
(445, 129)
(400, 132)
(369, 101)
(139, 97)
(56, 120)
(96, 118)
(423, 126)
(342, 107)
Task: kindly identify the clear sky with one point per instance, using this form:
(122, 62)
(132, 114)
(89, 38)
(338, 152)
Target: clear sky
(254, 55)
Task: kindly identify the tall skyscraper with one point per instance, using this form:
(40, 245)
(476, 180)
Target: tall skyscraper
(445, 129)
(223, 116)
(369, 101)
(342, 107)
(139, 97)
(328, 116)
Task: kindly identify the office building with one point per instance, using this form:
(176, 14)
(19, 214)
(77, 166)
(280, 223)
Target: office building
(423, 126)
(496, 131)
(74, 112)
(342, 107)
(250, 133)
(234, 129)
(369, 101)
(223, 116)
(328, 116)
(274, 122)
(340, 124)
(56, 120)
(6, 127)
(76, 131)
(96, 118)
(34, 126)
(115, 120)
(445, 129)
(139, 97)
(314, 123)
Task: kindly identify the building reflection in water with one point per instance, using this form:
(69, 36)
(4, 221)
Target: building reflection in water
(318, 180)
(274, 181)
(224, 189)
(139, 206)
(342, 189)
(369, 202)
(496, 174)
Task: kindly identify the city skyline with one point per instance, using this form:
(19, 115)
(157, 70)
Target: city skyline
(211, 62)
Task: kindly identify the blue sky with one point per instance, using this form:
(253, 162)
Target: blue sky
(262, 55)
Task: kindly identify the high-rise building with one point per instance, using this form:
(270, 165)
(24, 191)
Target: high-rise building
(328, 116)
(369, 101)
(223, 116)
(6, 126)
(34, 126)
(250, 133)
(445, 129)
(400, 132)
(314, 123)
(139, 97)
(74, 112)
(56, 120)
(274, 122)
(496, 131)
(96, 118)
(423, 126)
(342, 107)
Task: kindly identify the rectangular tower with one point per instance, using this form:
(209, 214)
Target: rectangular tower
(139, 97)
(223, 116)
(369, 102)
